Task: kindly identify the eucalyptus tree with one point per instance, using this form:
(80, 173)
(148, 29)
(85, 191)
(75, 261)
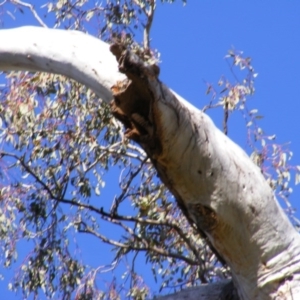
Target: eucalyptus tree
(191, 201)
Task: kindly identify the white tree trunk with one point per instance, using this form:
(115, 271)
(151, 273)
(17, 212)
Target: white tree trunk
(212, 291)
(211, 177)
(71, 53)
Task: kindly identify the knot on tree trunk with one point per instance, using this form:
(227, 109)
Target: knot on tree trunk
(133, 102)
(204, 217)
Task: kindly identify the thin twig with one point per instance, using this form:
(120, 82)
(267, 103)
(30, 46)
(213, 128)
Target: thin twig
(30, 6)
(225, 120)
(119, 199)
(149, 15)
(154, 249)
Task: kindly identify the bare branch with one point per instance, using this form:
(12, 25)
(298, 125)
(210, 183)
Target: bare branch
(150, 15)
(119, 199)
(31, 7)
(146, 247)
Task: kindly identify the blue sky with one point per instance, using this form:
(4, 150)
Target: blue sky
(193, 41)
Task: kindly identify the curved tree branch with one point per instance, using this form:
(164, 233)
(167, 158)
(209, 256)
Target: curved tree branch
(71, 53)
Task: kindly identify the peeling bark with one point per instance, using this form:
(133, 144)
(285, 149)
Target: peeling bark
(214, 181)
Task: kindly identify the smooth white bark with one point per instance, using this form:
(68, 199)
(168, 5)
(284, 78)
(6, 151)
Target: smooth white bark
(71, 53)
(252, 232)
(201, 164)
(205, 292)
